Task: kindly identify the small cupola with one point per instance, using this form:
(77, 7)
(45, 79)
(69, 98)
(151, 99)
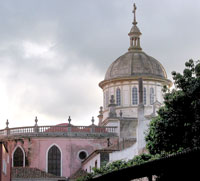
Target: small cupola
(134, 34)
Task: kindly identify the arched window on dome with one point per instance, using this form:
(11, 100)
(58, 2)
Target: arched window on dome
(145, 96)
(18, 157)
(151, 95)
(134, 96)
(54, 161)
(118, 97)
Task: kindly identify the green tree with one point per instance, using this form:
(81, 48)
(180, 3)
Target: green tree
(177, 125)
(117, 165)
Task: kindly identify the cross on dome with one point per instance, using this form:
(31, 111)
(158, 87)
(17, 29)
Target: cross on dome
(134, 12)
(135, 33)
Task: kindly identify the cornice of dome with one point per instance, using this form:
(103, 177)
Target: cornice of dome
(164, 81)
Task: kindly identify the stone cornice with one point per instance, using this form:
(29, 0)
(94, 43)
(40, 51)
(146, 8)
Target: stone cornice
(168, 82)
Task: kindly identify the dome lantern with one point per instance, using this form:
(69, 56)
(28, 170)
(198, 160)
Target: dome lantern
(134, 34)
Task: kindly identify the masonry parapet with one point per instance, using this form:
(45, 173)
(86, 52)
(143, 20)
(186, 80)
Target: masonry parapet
(59, 131)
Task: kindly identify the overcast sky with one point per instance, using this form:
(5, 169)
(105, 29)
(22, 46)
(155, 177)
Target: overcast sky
(53, 53)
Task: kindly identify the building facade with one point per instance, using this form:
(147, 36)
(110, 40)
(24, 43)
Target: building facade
(132, 92)
(58, 150)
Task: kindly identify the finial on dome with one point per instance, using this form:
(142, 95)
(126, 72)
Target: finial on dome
(134, 34)
(134, 12)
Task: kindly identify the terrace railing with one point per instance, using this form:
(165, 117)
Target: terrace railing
(59, 129)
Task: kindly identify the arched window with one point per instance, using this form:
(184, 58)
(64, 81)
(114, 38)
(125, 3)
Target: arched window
(145, 96)
(54, 161)
(18, 157)
(134, 96)
(118, 97)
(151, 96)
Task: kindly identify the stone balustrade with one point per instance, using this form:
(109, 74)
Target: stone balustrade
(59, 130)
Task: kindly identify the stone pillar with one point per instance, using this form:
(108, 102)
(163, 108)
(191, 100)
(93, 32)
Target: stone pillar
(141, 119)
(100, 116)
(131, 42)
(92, 126)
(69, 125)
(7, 128)
(138, 42)
(140, 91)
(36, 129)
(112, 105)
(112, 116)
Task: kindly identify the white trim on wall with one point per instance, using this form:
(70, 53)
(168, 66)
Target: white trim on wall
(18, 146)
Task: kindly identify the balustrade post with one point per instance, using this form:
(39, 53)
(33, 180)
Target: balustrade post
(69, 129)
(36, 129)
(93, 126)
(7, 128)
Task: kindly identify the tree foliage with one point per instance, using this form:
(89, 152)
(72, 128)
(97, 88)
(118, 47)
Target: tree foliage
(117, 165)
(177, 125)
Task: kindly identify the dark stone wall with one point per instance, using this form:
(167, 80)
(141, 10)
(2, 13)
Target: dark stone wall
(104, 158)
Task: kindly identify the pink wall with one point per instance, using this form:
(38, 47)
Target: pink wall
(5, 164)
(36, 151)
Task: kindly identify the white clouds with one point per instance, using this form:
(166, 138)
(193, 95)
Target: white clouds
(50, 96)
(50, 85)
(32, 49)
(54, 53)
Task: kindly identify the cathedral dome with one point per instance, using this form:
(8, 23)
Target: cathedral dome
(135, 64)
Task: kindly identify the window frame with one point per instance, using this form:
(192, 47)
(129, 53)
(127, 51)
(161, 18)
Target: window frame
(118, 97)
(144, 95)
(60, 158)
(134, 95)
(151, 96)
(79, 154)
(20, 147)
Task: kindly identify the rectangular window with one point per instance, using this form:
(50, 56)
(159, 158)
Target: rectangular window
(145, 96)
(134, 96)
(118, 96)
(151, 96)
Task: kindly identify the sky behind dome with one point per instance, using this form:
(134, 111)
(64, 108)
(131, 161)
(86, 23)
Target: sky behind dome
(54, 53)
